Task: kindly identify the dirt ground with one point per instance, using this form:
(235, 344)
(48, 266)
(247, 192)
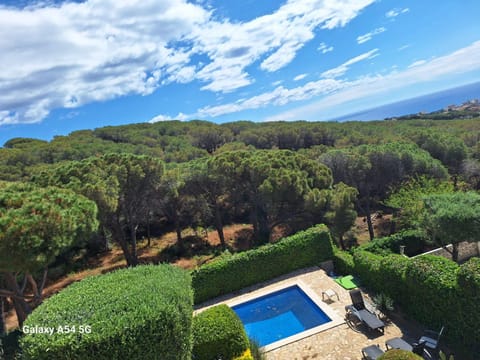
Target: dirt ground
(238, 237)
(381, 227)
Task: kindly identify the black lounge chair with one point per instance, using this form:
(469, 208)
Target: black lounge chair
(359, 310)
(372, 352)
(432, 338)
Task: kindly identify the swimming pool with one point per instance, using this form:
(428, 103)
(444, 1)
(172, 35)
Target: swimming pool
(280, 315)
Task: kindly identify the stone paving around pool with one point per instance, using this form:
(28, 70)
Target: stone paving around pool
(338, 343)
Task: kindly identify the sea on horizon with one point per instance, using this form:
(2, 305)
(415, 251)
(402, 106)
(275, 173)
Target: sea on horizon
(425, 103)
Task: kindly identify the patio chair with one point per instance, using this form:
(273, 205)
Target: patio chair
(398, 343)
(419, 348)
(372, 352)
(431, 338)
(359, 310)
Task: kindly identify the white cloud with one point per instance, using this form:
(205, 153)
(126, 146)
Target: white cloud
(337, 92)
(71, 54)
(417, 63)
(162, 117)
(324, 48)
(368, 36)
(395, 12)
(343, 68)
(300, 77)
(403, 47)
(464, 60)
(279, 96)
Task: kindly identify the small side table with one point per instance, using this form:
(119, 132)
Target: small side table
(330, 294)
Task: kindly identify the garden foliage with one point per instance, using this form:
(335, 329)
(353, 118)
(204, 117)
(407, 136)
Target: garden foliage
(413, 240)
(397, 354)
(304, 249)
(433, 290)
(137, 313)
(218, 333)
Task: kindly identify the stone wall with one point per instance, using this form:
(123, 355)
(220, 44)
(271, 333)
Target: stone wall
(466, 251)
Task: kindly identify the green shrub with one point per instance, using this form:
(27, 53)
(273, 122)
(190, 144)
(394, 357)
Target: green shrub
(137, 313)
(383, 302)
(9, 347)
(257, 354)
(367, 266)
(431, 289)
(247, 355)
(413, 240)
(218, 333)
(393, 268)
(399, 355)
(430, 282)
(304, 249)
(469, 276)
(343, 262)
(467, 308)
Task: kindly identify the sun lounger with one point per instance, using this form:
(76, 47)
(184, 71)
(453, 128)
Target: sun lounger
(372, 352)
(359, 310)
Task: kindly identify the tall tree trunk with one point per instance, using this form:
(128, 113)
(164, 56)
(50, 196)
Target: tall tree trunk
(149, 240)
(369, 220)
(393, 222)
(366, 212)
(178, 230)
(120, 238)
(3, 325)
(342, 243)
(21, 306)
(263, 229)
(37, 289)
(219, 227)
(105, 238)
(133, 239)
(455, 251)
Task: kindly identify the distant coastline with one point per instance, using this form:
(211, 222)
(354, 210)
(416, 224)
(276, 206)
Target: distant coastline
(422, 104)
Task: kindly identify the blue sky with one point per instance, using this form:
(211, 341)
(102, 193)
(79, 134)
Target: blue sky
(74, 65)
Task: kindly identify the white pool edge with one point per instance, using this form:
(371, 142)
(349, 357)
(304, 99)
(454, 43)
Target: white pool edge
(331, 313)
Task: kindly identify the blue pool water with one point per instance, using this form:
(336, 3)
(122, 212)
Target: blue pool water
(279, 315)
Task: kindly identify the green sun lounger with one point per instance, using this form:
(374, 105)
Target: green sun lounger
(347, 282)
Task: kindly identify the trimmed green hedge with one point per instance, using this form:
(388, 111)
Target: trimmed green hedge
(218, 333)
(137, 313)
(413, 240)
(343, 262)
(304, 249)
(396, 354)
(393, 268)
(367, 266)
(468, 314)
(431, 282)
(431, 289)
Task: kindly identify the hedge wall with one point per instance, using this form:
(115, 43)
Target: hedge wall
(218, 333)
(413, 240)
(138, 313)
(431, 289)
(343, 262)
(304, 249)
(468, 315)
